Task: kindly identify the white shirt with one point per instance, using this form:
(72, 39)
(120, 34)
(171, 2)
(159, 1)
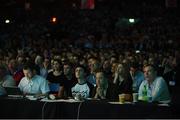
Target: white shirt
(37, 85)
(157, 91)
(82, 89)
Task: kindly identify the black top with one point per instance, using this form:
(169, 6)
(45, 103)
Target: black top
(68, 84)
(115, 89)
(56, 79)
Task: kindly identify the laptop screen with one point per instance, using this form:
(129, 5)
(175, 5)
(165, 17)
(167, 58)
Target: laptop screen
(13, 91)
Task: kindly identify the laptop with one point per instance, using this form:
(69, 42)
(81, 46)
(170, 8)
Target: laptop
(13, 91)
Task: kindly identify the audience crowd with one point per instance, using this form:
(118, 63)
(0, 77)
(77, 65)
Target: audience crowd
(92, 54)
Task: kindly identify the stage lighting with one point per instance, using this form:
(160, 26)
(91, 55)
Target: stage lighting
(131, 20)
(7, 21)
(53, 19)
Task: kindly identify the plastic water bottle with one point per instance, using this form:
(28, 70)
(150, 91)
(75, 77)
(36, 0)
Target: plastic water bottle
(149, 94)
(145, 97)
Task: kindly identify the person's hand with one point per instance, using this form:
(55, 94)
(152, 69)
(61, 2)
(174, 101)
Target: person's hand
(99, 92)
(116, 75)
(78, 97)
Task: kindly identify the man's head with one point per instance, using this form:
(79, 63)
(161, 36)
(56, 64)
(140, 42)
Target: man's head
(57, 65)
(150, 73)
(113, 59)
(106, 64)
(67, 67)
(46, 62)
(134, 67)
(12, 63)
(29, 71)
(93, 64)
(39, 60)
(101, 80)
(79, 72)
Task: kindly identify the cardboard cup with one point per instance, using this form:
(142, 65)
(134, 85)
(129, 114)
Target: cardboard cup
(122, 98)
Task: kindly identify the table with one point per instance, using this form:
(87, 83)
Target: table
(30, 109)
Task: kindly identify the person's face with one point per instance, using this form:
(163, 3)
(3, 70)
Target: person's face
(67, 69)
(20, 52)
(45, 53)
(75, 59)
(52, 63)
(106, 64)
(151, 61)
(20, 60)
(149, 73)
(94, 66)
(113, 68)
(102, 58)
(57, 57)
(46, 62)
(99, 78)
(79, 72)
(132, 70)
(70, 57)
(28, 73)
(131, 59)
(145, 62)
(12, 63)
(56, 65)
(120, 68)
(112, 60)
(4, 61)
(63, 60)
(38, 60)
(89, 63)
(82, 62)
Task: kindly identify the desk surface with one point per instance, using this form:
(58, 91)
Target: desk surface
(23, 108)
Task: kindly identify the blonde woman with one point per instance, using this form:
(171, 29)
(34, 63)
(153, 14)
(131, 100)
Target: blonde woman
(122, 80)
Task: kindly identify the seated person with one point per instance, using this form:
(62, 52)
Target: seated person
(70, 80)
(81, 89)
(136, 75)
(6, 80)
(122, 80)
(56, 79)
(94, 66)
(153, 88)
(32, 83)
(102, 85)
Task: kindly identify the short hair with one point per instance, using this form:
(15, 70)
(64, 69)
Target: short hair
(60, 63)
(134, 65)
(94, 58)
(68, 63)
(100, 71)
(81, 66)
(31, 67)
(150, 65)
